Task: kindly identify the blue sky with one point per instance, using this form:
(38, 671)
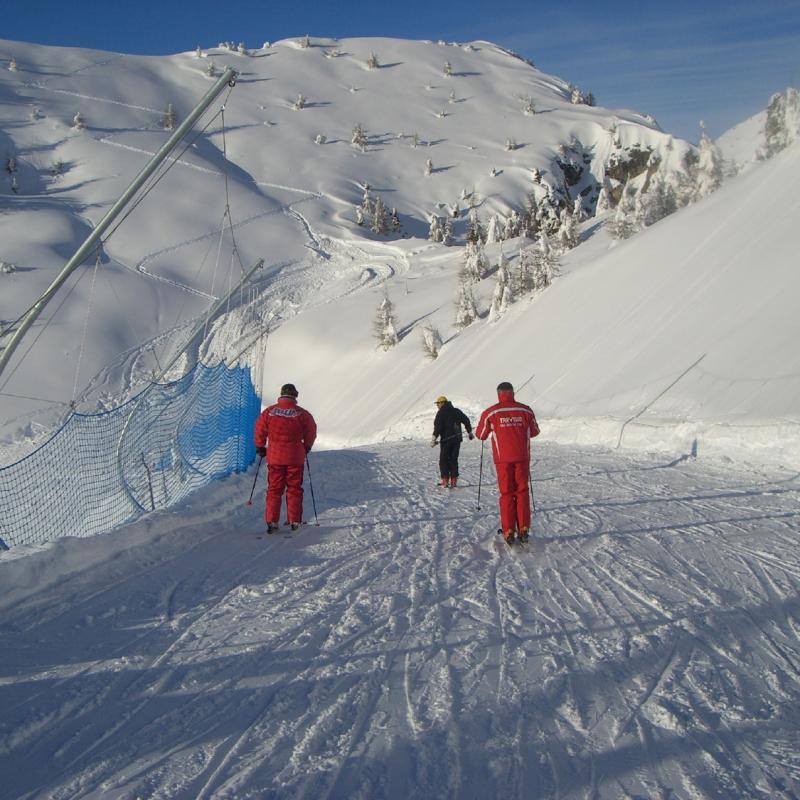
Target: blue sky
(680, 61)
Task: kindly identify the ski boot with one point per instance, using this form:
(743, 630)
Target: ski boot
(523, 535)
(272, 527)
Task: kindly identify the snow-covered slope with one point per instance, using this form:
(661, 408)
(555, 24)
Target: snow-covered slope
(668, 339)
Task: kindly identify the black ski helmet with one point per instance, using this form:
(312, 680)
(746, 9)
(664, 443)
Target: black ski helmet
(288, 390)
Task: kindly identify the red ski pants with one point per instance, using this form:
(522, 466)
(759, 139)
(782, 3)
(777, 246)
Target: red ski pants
(288, 478)
(515, 499)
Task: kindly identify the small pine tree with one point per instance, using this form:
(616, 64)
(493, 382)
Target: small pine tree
(466, 307)
(448, 236)
(198, 52)
(242, 49)
(415, 139)
(436, 229)
(380, 218)
(300, 102)
(359, 216)
(578, 214)
(544, 264)
(428, 166)
(474, 264)
(170, 118)
(211, 69)
(12, 64)
(394, 221)
(385, 324)
(372, 61)
(492, 230)
(431, 341)
(622, 225)
(503, 294)
(447, 70)
(709, 167)
(475, 230)
(529, 109)
(567, 232)
(525, 280)
(78, 122)
(511, 144)
(359, 138)
(305, 42)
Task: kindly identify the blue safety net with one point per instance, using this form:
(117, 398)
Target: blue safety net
(101, 470)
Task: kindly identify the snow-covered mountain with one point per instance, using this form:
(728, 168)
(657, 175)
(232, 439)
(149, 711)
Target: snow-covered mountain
(681, 336)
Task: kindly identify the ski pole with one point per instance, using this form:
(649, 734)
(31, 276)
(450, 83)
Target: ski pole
(530, 483)
(480, 477)
(250, 501)
(311, 486)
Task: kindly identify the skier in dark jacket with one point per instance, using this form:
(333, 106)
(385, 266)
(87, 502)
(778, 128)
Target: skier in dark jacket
(447, 433)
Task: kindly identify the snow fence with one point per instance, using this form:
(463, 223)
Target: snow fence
(101, 470)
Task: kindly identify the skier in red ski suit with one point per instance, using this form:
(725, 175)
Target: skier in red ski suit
(511, 425)
(290, 431)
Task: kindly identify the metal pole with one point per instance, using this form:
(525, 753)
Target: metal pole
(81, 253)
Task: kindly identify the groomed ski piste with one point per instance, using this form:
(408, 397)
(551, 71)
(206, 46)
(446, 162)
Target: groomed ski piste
(643, 644)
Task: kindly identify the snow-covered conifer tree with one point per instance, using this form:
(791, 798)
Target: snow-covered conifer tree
(385, 324)
(452, 97)
(170, 118)
(12, 64)
(466, 307)
(709, 167)
(622, 224)
(447, 70)
(503, 294)
(567, 232)
(475, 229)
(372, 61)
(78, 122)
(578, 214)
(198, 53)
(211, 69)
(529, 108)
(428, 166)
(6, 267)
(299, 103)
(380, 218)
(544, 264)
(394, 221)
(305, 42)
(782, 124)
(603, 202)
(320, 138)
(511, 144)
(448, 236)
(436, 230)
(524, 278)
(492, 229)
(359, 216)
(415, 139)
(431, 341)
(359, 138)
(242, 49)
(474, 265)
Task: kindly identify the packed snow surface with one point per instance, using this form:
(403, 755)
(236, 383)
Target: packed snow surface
(644, 644)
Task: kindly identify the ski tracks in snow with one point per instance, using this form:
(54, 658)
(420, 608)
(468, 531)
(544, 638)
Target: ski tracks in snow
(645, 643)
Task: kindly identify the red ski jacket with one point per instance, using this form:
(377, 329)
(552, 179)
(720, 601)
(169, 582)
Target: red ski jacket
(289, 430)
(511, 425)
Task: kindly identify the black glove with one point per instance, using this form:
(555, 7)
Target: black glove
(308, 448)
(261, 451)
(471, 435)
